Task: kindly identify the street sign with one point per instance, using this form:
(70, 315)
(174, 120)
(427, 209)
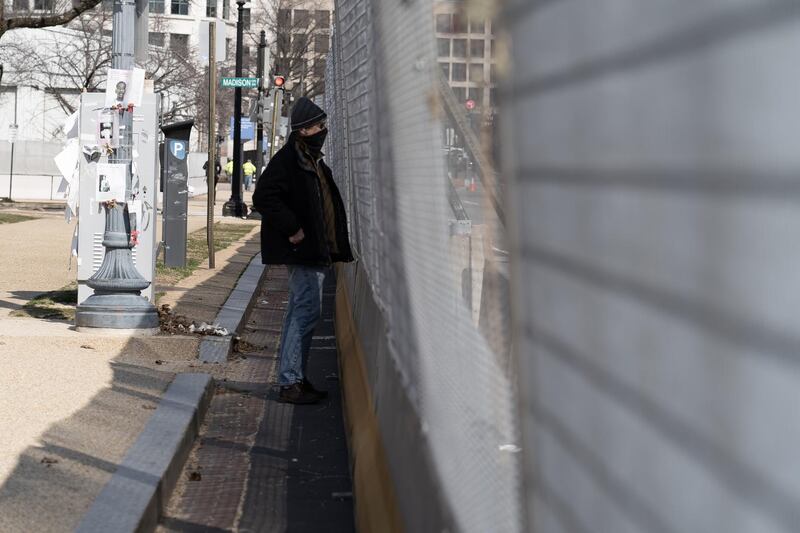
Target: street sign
(244, 83)
(470, 104)
(203, 48)
(13, 131)
(247, 128)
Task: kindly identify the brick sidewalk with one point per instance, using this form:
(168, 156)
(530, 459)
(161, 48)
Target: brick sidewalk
(261, 465)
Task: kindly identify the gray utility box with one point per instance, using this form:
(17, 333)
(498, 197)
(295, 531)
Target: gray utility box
(91, 215)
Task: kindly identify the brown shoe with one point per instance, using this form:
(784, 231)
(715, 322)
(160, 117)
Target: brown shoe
(310, 388)
(297, 394)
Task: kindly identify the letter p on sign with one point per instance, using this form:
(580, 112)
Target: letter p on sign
(178, 149)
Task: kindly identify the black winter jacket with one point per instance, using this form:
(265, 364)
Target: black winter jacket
(288, 198)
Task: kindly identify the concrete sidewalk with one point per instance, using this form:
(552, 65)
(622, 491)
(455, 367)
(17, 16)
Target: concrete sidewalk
(45, 243)
(71, 404)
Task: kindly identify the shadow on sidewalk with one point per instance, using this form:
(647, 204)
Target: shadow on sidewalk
(54, 482)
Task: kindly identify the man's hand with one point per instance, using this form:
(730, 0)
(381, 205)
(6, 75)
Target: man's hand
(297, 237)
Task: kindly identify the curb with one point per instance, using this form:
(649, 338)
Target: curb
(232, 315)
(133, 498)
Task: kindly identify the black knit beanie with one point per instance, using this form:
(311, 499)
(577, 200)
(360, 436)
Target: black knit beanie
(306, 113)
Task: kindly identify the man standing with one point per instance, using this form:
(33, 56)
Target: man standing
(249, 170)
(303, 226)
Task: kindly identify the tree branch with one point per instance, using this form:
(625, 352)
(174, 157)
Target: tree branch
(50, 20)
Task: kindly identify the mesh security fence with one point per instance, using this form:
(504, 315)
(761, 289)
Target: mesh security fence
(410, 146)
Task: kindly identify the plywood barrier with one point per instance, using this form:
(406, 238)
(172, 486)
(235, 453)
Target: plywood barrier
(374, 496)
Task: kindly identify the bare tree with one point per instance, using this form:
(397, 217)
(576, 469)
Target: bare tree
(301, 32)
(73, 59)
(45, 13)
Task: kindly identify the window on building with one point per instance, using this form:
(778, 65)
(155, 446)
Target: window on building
(301, 18)
(459, 72)
(319, 68)
(459, 48)
(476, 94)
(155, 38)
(492, 97)
(445, 70)
(226, 9)
(21, 5)
(476, 48)
(284, 43)
(211, 8)
(460, 93)
(299, 43)
(444, 23)
(247, 59)
(493, 48)
(156, 6)
(179, 42)
(322, 19)
(443, 46)
(284, 18)
(476, 73)
(493, 73)
(246, 18)
(43, 5)
(477, 26)
(229, 47)
(322, 43)
(180, 7)
(459, 23)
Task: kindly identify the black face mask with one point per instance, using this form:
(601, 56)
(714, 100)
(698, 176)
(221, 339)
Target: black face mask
(315, 142)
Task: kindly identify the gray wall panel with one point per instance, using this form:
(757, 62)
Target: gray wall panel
(654, 166)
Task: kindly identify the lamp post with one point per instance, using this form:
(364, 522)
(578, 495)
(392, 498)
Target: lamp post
(235, 206)
(117, 303)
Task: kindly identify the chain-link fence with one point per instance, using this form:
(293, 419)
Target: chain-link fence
(411, 159)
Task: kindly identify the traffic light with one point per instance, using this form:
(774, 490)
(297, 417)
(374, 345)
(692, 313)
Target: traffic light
(279, 81)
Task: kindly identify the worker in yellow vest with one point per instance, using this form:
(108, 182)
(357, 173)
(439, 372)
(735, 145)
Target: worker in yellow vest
(249, 170)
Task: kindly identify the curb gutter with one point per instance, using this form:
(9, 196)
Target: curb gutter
(233, 313)
(134, 496)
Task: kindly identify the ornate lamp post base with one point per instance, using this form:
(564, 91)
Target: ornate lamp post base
(117, 312)
(234, 208)
(116, 303)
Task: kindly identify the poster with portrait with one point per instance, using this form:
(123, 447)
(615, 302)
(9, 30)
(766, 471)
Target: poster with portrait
(110, 182)
(108, 128)
(124, 87)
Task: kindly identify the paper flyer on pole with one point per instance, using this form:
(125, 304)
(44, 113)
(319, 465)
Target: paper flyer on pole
(110, 182)
(124, 87)
(108, 128)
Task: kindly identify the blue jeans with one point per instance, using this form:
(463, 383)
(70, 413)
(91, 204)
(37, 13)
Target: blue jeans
(302, 315)
(248, 181)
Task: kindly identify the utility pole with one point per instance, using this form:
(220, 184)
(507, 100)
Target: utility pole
(117, 302)
(276, 105)
(212, 137)
(13, 141)
(262, 45)
(235, 206)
